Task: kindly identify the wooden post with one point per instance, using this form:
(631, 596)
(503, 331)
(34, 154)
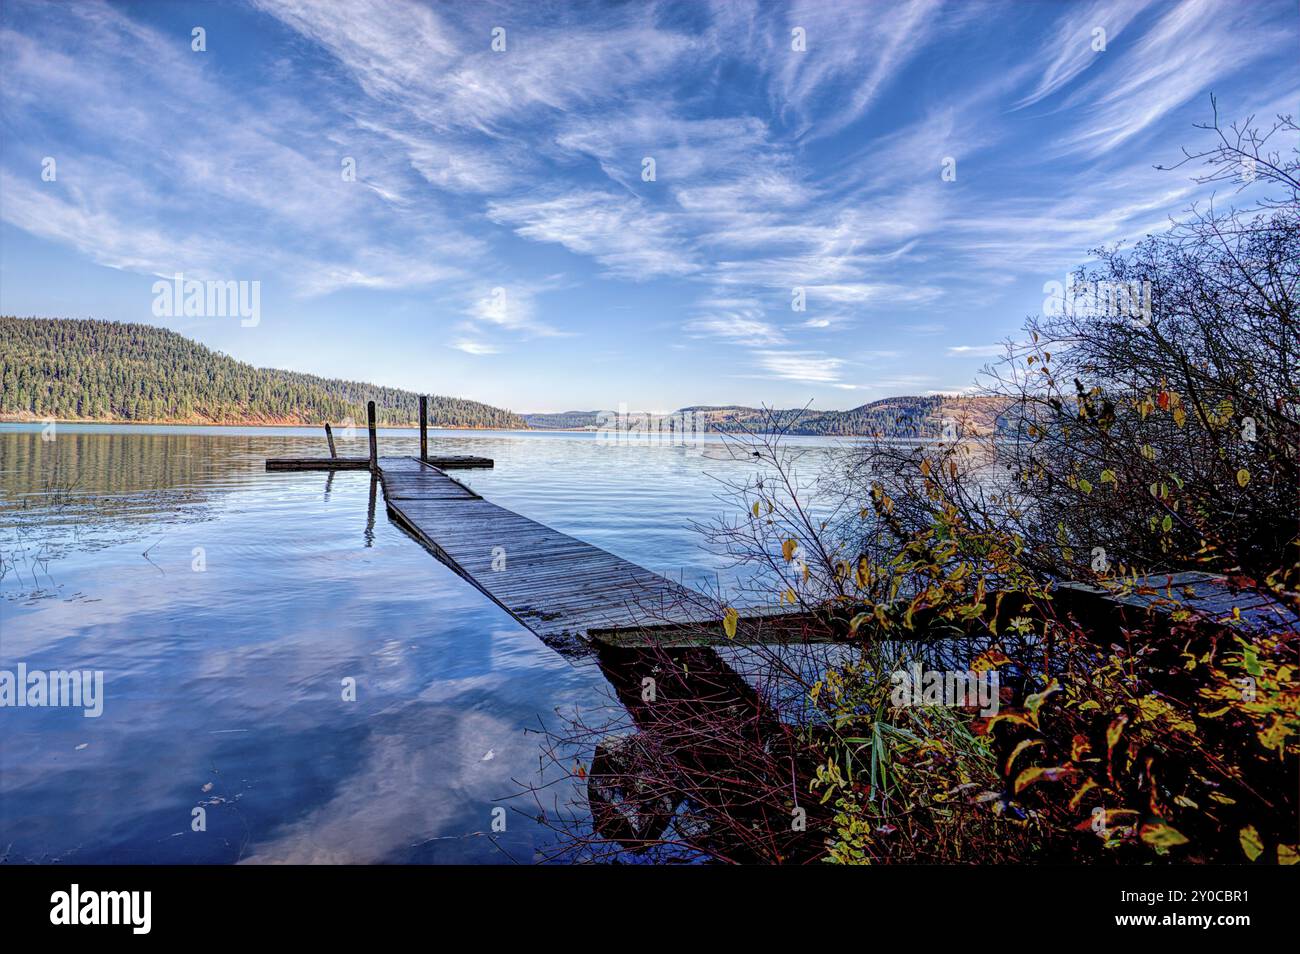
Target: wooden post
(329, 436)
(424, 427)
(374, 440)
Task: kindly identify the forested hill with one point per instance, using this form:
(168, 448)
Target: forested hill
(112, 371)
(897, 417)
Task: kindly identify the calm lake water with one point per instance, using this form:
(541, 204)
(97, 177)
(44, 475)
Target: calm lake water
(226, 606)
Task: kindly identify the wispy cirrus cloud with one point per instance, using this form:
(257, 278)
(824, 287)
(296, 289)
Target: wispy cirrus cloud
(1185, 51)
(628, 239)
(976, 351)
(1081, 34)
(853, 52)
(470, 346)
(808, 367)
(738, 321)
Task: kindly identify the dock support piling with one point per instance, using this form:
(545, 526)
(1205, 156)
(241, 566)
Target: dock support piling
(424, 427)
(374, 440)
(329, 436)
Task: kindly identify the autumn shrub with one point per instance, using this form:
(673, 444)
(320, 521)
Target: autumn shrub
(1183, 748)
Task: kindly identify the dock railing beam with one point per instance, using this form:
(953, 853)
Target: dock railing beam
(329, 436)
(424, 427)
(374, 440)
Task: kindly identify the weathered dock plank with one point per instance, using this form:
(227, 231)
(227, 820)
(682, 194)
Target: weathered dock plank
(1204, 598)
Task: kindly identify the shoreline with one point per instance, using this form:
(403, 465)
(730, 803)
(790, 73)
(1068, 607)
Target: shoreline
(36, 422)
(172, 423)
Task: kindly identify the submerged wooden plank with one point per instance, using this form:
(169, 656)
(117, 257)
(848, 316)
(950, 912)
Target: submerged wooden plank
(317, 463)
(756, 626)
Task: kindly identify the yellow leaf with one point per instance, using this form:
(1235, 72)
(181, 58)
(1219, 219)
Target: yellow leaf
(1274, 736)
(1180, 416)
(1243, 477)
(1008, 717)
(1024, 744)
(729, 621)
(1160, 835)
(1084, 789)
(1288, 854)
(755, 508)
(788, 548)
(1152, 708)
(1039, 774)
(1250, 842)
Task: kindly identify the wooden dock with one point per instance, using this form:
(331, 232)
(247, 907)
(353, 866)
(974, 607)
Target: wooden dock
(557, 586)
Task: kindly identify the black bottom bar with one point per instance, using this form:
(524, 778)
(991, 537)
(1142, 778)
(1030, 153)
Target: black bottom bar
(938, 908)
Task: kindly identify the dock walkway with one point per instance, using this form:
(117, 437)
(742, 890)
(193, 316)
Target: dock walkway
(554, 584)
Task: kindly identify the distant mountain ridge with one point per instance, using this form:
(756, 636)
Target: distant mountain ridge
(88, 370)
(889, 417)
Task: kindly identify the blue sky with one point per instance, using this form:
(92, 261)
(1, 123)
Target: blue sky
(522, 171)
